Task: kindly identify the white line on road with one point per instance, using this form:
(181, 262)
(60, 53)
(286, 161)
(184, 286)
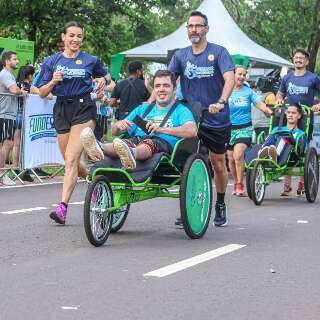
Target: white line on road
(24, 210)
(188, 263)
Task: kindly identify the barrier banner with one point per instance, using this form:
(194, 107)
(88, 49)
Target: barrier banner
(316, 134)
(40, 145)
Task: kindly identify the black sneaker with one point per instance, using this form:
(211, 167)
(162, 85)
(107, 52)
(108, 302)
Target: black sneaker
(40, 172)
(178, 222)
(220, 219)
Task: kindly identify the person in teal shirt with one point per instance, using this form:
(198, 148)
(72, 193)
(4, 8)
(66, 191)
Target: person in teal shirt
(240, 101)
(140, 145)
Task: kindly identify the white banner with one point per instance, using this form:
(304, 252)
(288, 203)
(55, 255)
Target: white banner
(40, 137)
(316, 134)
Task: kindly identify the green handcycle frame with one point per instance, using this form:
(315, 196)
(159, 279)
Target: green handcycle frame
(262, 172)
(195, 192)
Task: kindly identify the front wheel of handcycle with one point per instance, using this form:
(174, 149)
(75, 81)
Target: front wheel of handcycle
(311, 174)
(97, 218)
(119, 218)
(196, 196)
(257, 183)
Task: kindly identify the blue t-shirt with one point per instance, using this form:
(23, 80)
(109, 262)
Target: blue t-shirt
(300, 89)
(240, 105)
(201, 78)
(178, 118)
(78, 73)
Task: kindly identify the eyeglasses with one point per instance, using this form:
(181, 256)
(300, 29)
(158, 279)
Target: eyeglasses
(197, 26)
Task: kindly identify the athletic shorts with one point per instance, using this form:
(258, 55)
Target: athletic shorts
(215, 139)
(69, 111)
(155, 144)
(7, 129)
(240, 135)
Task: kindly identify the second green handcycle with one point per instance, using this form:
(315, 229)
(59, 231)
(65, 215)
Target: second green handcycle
(185, 175)
(302, 160)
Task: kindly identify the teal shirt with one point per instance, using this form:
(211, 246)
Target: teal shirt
(178, 118)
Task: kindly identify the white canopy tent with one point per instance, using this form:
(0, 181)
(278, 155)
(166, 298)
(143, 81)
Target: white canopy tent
(223, 31)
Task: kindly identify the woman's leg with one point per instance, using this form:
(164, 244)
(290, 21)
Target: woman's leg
(72, 154)
(16, 148)
(232, 165)
(238, 156)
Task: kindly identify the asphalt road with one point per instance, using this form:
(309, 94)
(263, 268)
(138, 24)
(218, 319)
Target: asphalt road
(52, 272)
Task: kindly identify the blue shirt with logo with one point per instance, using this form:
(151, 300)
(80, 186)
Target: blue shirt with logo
(300, 89)
(179, 117)
(77, 73)
(240, 105)
(201, 78)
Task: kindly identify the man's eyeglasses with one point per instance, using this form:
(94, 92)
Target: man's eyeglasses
(196, 26)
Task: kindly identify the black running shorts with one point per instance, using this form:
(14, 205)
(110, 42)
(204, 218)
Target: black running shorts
(69, 111)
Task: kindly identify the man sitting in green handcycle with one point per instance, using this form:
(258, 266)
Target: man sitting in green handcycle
(279, 143)
(165, 122)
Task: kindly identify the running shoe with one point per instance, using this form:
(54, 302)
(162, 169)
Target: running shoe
(60, 214)
(273, 153)
(220, 219)
(125, 154)
(300, 191)
(240, 190)
(286, 192)
(263, 153)
(91, 145)
(5, 180)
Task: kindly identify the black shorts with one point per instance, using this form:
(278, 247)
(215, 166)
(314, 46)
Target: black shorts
(69, 111)
(7, 129)
(246, 141)
(215, 139)
(155, 144)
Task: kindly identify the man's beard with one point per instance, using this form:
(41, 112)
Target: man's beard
(196, 38)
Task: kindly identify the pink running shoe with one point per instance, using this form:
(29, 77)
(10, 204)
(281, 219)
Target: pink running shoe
(60, 214)
(234, 191)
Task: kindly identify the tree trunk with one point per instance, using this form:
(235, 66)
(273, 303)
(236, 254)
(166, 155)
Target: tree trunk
(314, 43)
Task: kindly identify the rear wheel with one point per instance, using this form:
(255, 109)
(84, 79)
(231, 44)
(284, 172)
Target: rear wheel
(196, 196)
(248, 172)
(97, 220)
(119, 218)
(311, 175)
(257, 183)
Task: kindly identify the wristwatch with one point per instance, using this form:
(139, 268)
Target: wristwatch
(222, 101)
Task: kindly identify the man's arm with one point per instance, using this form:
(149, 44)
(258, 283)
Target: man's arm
(14, 89)
(187, 130)
(228, 85)
(120, 126)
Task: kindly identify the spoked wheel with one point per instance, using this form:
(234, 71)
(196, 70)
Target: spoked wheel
(196, 196)
(97, 220)
(311, 175)
(119, 218)
(248, 172)
(257, 183)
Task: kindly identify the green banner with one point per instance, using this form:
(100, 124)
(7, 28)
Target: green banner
(23, 48)
(116, 64)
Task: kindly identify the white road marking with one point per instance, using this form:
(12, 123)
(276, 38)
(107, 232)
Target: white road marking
(31, 185)
(188, 263)
(70, 307)
(24, 210)
(302, 221)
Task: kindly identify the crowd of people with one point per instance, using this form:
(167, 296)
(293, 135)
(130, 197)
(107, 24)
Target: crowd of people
(232, 112)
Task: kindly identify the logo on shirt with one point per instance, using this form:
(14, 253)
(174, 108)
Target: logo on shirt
(192, 71)
(293, 89)
(210, 57)
(79, 61)
(238, 102)
(71, 73)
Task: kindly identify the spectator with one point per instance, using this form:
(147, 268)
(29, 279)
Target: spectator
(131, 92)
(8, 110)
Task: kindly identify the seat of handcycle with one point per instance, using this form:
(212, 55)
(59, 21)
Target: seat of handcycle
(161, 162)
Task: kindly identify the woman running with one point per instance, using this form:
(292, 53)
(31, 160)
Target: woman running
(241, 133)
(71, 75)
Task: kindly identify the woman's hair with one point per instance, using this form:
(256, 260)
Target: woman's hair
(25, 72)
(237, 66)
(71, 24)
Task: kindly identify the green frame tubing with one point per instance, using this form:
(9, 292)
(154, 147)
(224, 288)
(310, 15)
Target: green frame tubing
(128, 193)
(272, 170)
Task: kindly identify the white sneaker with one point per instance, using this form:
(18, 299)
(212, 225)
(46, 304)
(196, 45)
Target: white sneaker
(125, 154)
(91, 145)
(7, 181)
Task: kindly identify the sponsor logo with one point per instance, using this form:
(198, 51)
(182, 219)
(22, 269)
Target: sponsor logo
(192, 71)
(71, 73)
(79, 61)
(210, 57)
(41, 126)
(293, 89)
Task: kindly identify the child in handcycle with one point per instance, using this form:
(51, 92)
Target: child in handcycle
(160, 137)
(279, 143)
